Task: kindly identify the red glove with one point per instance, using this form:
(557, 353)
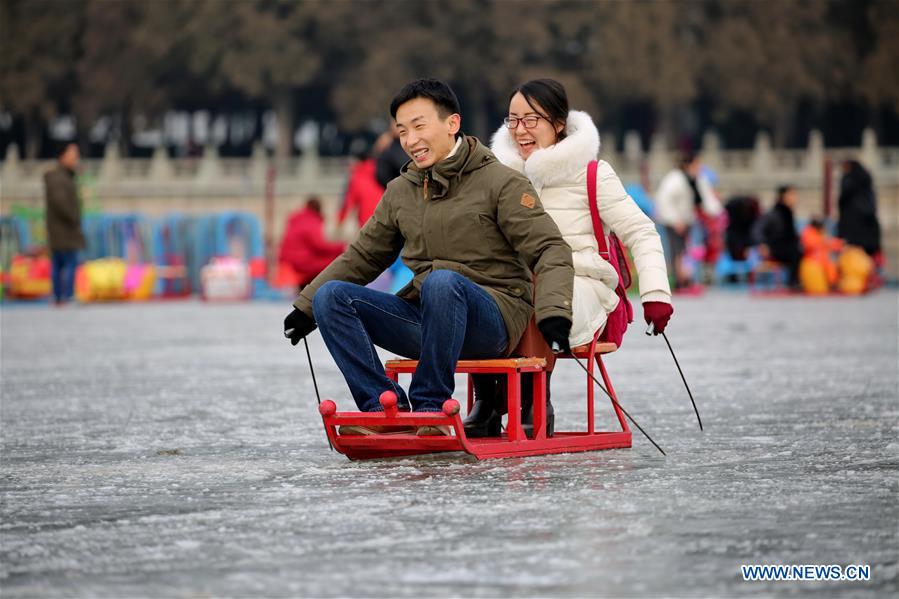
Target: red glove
(657, 313)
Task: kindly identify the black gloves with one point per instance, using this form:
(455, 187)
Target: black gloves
(297, 325)
(555, 329)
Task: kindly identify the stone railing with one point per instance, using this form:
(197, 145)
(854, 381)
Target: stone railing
(161, 176)
(759, 170)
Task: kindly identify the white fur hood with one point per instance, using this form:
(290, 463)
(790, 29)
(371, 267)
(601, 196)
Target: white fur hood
(559, 163)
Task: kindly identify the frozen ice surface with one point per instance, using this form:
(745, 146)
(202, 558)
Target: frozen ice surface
(174, 449)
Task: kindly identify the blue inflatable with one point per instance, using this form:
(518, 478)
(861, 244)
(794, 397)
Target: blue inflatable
(636, 191)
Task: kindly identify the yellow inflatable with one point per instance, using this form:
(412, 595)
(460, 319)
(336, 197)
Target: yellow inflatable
(112, 279)
(813, 277)
(855, 270)
(101, 280)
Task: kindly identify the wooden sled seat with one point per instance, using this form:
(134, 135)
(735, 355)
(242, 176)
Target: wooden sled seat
(473, 366)
(583, 351)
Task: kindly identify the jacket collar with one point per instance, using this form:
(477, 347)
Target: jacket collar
(558, 163)
(455, 149)
(467, 155)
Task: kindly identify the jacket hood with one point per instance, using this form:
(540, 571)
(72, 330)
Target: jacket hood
(471, 155)
(557, 163)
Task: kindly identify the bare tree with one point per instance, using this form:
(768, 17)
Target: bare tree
(39, 43)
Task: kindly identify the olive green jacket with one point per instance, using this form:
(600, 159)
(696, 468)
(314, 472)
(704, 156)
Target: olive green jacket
(472, 215)
(63, 213)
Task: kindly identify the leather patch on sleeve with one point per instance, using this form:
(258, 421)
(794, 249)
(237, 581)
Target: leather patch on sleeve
(528, 201)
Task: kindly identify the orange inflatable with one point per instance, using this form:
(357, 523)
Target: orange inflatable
(29, 277)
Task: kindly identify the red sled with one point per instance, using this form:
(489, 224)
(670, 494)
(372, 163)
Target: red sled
(511, 443)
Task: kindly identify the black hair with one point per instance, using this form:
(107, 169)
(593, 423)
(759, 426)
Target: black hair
(550, 95)
(314, 203)
(688, 158)
(782, 191)
(437, 91)
(62, 146)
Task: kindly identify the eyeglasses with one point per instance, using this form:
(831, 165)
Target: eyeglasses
(529, 121)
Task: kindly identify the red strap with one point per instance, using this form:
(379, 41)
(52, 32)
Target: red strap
(594, 209)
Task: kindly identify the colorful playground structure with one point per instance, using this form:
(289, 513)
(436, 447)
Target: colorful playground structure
(132, 257)
(221, 257)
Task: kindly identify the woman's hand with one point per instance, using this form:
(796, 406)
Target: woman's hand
(657, 313)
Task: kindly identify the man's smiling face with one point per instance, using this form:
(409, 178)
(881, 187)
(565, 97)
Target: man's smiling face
(426, 136)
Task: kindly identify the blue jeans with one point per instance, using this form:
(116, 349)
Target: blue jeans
(64, 264)
(453, 319)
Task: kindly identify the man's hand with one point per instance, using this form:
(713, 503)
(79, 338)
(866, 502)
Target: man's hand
(297, 325)
(657, 313)
(555, 329)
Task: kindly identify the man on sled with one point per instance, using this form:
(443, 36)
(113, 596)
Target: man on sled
(472, 231)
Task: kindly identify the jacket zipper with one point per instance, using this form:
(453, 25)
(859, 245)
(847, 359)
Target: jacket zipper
(424, 216)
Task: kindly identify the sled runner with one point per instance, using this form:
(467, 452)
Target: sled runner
(511, 443)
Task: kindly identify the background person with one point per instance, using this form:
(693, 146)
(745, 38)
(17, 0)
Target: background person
(304, 246)
(63, 219)
(363, 191)
(391, 157)
(818, 269)
(742, 214)
(858, 223)
(778, 236)
(681, 193)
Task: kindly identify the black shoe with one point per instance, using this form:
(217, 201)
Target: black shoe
(482, 421)
(485, 417)
(528, 422)
(527, 408)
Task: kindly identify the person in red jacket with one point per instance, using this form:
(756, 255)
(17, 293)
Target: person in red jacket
(304, 246)
(363, 191)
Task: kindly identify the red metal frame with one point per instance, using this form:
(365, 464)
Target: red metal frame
(512, 443)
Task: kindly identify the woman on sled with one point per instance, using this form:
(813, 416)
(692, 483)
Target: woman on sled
(553, 146)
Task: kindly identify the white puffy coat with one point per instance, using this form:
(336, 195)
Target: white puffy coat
(675, 205)
(559, 174)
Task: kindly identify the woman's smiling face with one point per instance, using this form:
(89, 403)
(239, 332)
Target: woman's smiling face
(542, 135)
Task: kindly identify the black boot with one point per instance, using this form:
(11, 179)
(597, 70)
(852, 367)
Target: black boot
(527, 407)
(485, 417)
